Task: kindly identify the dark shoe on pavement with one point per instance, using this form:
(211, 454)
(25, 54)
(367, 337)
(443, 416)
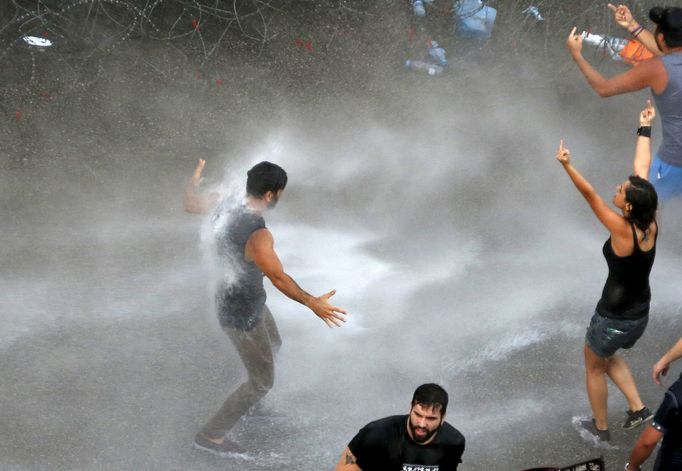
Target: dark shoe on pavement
(637, 418)
(220, 449)
(589, 425)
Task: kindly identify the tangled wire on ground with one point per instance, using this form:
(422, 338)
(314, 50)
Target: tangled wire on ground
(83, 33)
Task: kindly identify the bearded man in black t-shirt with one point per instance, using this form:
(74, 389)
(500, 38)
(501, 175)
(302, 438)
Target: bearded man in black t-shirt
(419, 441)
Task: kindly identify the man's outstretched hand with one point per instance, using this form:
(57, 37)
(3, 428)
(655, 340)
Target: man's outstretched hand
(331, 315)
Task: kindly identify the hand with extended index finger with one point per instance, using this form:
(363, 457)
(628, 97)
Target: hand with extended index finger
(563, 155)
(574, 42)
(331, 315)
(198, 170)
(622, 15)
(647, 115)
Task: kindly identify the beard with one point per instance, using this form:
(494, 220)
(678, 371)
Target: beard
(421, 438)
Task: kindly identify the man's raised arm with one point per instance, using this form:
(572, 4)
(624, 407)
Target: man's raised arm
(192, 201)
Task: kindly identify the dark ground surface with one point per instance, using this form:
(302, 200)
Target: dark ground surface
(111, 358)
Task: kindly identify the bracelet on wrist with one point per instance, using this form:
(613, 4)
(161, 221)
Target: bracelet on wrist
(644, 131)
(635, 32)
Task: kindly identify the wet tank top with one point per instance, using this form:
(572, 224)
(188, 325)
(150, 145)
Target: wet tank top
(240, 301)
(626, 293)
(669, 108)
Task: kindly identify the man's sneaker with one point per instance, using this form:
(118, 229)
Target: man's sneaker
(637, 418)
(589, 425)
(221, 449)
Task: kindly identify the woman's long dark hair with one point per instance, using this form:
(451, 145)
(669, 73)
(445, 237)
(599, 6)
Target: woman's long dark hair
(642, 196)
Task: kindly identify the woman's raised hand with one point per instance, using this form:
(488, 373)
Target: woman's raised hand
(563, 155)
(623, 16)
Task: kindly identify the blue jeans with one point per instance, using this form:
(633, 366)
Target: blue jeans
(666, 178)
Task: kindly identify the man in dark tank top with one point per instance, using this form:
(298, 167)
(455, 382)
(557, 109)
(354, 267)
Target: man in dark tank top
(245, 248)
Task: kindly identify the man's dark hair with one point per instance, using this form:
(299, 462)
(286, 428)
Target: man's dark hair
(669, 22)
(264, 177)
(431, 395)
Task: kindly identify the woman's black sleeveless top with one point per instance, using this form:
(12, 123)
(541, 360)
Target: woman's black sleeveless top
(626, 293)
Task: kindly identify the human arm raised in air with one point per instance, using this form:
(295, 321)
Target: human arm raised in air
(614, 222)
(260, 248)
(648, 73)
(347, 462)
(642, 160)
(624, 18)
(192, 200)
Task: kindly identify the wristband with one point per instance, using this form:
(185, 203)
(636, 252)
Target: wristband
(636, 31)
(644, 131)
(627, 467)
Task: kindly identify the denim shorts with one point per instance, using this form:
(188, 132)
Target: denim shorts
(605, 335)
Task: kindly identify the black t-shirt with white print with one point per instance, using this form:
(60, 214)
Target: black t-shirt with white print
(385, 445)
(668, 420)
